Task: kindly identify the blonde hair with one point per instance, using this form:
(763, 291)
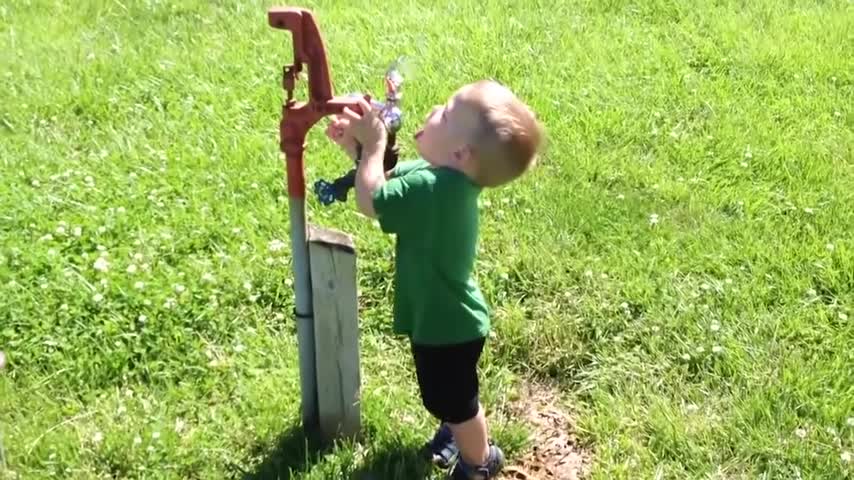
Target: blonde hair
(508, 139)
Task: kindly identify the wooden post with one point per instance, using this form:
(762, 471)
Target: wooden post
(332, 256)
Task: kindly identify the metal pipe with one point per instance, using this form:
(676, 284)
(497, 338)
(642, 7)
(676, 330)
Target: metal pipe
(293, 146)
(303, 311)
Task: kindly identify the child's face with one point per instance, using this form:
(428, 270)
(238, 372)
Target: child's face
(444, 138)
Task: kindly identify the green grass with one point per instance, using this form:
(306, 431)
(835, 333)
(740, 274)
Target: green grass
(697, 346)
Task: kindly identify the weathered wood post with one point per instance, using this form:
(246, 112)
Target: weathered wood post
(332, 257)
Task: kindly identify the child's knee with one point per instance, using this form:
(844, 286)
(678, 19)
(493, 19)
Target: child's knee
(451, 408)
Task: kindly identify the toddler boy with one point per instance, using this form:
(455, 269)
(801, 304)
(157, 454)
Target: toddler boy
(484, 136)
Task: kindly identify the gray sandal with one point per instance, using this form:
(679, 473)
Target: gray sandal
(494, 464)
(442, 448)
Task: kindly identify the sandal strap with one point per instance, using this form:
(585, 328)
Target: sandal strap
(443, 448)
(494, 464)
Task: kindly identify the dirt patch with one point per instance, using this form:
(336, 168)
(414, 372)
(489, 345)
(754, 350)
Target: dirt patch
(555, 453)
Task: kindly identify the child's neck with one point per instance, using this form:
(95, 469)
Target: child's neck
(467, 172)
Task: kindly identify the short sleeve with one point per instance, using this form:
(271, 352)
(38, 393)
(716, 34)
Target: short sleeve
(403, 168)
(402, 204)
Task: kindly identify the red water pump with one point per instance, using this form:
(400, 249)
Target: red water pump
(297, 118)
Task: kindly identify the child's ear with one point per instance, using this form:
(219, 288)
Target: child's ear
(463, 154)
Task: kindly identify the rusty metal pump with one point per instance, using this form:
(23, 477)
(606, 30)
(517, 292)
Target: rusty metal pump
(298, 117)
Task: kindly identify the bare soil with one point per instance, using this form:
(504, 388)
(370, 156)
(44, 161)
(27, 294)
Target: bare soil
(555, 452)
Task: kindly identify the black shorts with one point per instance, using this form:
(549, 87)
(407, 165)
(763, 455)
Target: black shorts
(447, 378)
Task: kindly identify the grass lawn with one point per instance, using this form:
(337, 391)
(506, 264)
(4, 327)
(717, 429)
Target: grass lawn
(681, 263)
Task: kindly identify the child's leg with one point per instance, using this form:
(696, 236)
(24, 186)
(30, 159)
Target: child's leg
(447, 378)
(472, 438)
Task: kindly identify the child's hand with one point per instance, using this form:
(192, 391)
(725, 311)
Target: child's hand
(337, 132)
(368, 128)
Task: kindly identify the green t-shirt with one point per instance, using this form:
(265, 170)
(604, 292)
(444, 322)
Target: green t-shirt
(433, 212)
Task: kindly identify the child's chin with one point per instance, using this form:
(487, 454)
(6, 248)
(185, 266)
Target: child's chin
(421, 153)
(418, 146)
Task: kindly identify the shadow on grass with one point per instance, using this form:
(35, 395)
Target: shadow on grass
(296, 454)
(393, 462)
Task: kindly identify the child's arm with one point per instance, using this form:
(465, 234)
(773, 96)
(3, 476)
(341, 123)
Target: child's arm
(369, 177)
(368, 130)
